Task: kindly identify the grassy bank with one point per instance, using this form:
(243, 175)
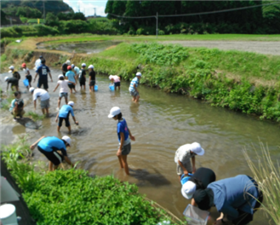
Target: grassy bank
(72, 197)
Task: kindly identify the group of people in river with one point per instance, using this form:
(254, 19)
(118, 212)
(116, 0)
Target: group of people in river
(236, 198)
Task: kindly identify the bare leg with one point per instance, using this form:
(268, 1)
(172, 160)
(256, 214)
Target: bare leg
(50, 166)
(69, 129)
(58, 128)
(66, 100)
(43, 111)
(124, 163)
(47, 111)
(55, 167)
(58, 103)
(137, 98)
(121, 165)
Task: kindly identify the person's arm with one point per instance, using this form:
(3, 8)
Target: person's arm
(50, 76)
(7, 86)
(35, 143)
(186, 172)
(119, 152)
(56, 87)
(56, 118)
(135, 88)
(68, 161)
(34, 104)
(131, 136)
(35, 77)
(231, 212)
(193, 163)
(76, 122)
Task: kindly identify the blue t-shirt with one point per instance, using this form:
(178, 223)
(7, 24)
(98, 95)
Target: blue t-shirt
(50, 144)
(71, 76)
(43, 71)
(134, 81)
(65, 110)
(122, 128)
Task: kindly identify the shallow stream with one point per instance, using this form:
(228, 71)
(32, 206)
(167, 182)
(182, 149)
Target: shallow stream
(161, 123)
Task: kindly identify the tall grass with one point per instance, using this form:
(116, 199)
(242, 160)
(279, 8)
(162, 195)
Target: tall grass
(267, 174)
(35, 116)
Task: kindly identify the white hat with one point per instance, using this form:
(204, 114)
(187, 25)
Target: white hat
(68, 62)
(91, 67)
(11, 67)
(196, 148)
(114, 111)
(110, 77)
(188, 189)
(71, 103)
(6, 78)
(67, 139)
(31, 89)
(73, 65)
(83, 64)
(60, 75)
(138, 74)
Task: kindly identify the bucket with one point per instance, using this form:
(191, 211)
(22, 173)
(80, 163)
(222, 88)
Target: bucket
(196, 216)
(26, 82)
(96, 87)
(8, 214)
(112, 87)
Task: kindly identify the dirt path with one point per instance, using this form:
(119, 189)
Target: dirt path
(262, 47)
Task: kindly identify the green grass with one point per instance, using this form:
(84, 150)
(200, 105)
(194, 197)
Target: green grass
(35, 116)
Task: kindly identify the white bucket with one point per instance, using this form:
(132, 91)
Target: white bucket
(8, 214)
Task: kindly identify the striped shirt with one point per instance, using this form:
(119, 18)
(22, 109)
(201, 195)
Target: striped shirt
(134, 81)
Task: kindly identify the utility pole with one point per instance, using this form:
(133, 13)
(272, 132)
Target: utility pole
(11, 22)
(157, 24)
(94, 12)
(44, 10)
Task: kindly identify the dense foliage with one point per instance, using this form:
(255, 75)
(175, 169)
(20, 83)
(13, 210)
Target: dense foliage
(72, 197)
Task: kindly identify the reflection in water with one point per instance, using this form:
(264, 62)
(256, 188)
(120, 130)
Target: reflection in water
(28, 123)
(160, 123)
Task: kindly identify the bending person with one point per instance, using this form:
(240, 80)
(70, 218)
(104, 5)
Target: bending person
(44, 96)
(237, 198)
(49, 147)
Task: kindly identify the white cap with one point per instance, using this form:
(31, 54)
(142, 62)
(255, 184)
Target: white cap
(114, 111)
(11, 67)
(196, 148)
(60, 75)
(83, 64)
(6, 78)
(110, 77)
(138, 74)
(68, 62)
(71, 103)
(188, 189)
(31, 89)
(73, 65)
(67, 139)
(91, 67)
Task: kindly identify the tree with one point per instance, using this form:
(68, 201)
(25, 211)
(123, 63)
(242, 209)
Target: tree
(52, 20)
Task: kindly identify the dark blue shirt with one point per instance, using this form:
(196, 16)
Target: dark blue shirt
(50, 144)
(43, 71)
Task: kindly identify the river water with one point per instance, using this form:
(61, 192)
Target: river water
(161, 123)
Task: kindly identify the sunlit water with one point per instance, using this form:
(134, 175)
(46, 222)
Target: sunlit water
(161, 123)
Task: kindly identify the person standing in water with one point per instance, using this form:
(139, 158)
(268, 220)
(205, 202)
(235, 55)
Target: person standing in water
(124, 136)
(91, 78)
(116, 80)
(64, 67)
(71, 77)
(43, 72)
(133, 87)
(44, 97)
(27, 74)
(82, 78)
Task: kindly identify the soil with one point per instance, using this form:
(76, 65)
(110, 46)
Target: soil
(261, 47)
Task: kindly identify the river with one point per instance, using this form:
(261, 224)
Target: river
(161, 123)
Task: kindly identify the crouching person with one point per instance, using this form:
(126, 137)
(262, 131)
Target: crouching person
(17, 106)
(49, 147)
(236, 198)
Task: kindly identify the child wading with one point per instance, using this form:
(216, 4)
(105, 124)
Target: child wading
(27, 74)
(71, 77)
(82, 77)
(17, 105)
(124, 136)
(91, 78)
(63, 89)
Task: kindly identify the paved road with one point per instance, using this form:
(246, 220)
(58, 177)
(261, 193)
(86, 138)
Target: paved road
(262, 47)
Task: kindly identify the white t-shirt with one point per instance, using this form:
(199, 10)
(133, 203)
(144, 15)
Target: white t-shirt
(43, 94)
(116, 78)
(63, 86)
(26, 71)
(37, 63)
(183, 153)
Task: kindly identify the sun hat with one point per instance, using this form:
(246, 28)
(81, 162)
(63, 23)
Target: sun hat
(196, 148)
(11, 67)
(6, 78)
(138, 74)
(83, 64)
(73, 65)
(59, 76)
(68, 62)
(69, 68)
(204, 198)
(188, 189)
(91, 67)
(71, 103)
(67, 139)
(114, 111)
(23, 65)
(31, 89)
(110, 77)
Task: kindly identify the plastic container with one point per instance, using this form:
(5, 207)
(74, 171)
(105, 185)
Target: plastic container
(185, 178)
(26, 82)
(196, 216)
(112, 87)
(96, 87)
(8, 214)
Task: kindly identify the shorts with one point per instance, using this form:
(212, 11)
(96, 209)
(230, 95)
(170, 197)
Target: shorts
(126, 149)
(63, 73)
(117, 84)
(134, 93)
(14, 84)
(180, 171)
(60, 120)
(45, 104)
(82, 82)
(92, 83)
(43, 81)
(29, 78)
(71, 86)
(63, 94)
(53, 156)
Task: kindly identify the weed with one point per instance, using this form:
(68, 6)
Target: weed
(35, 116)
